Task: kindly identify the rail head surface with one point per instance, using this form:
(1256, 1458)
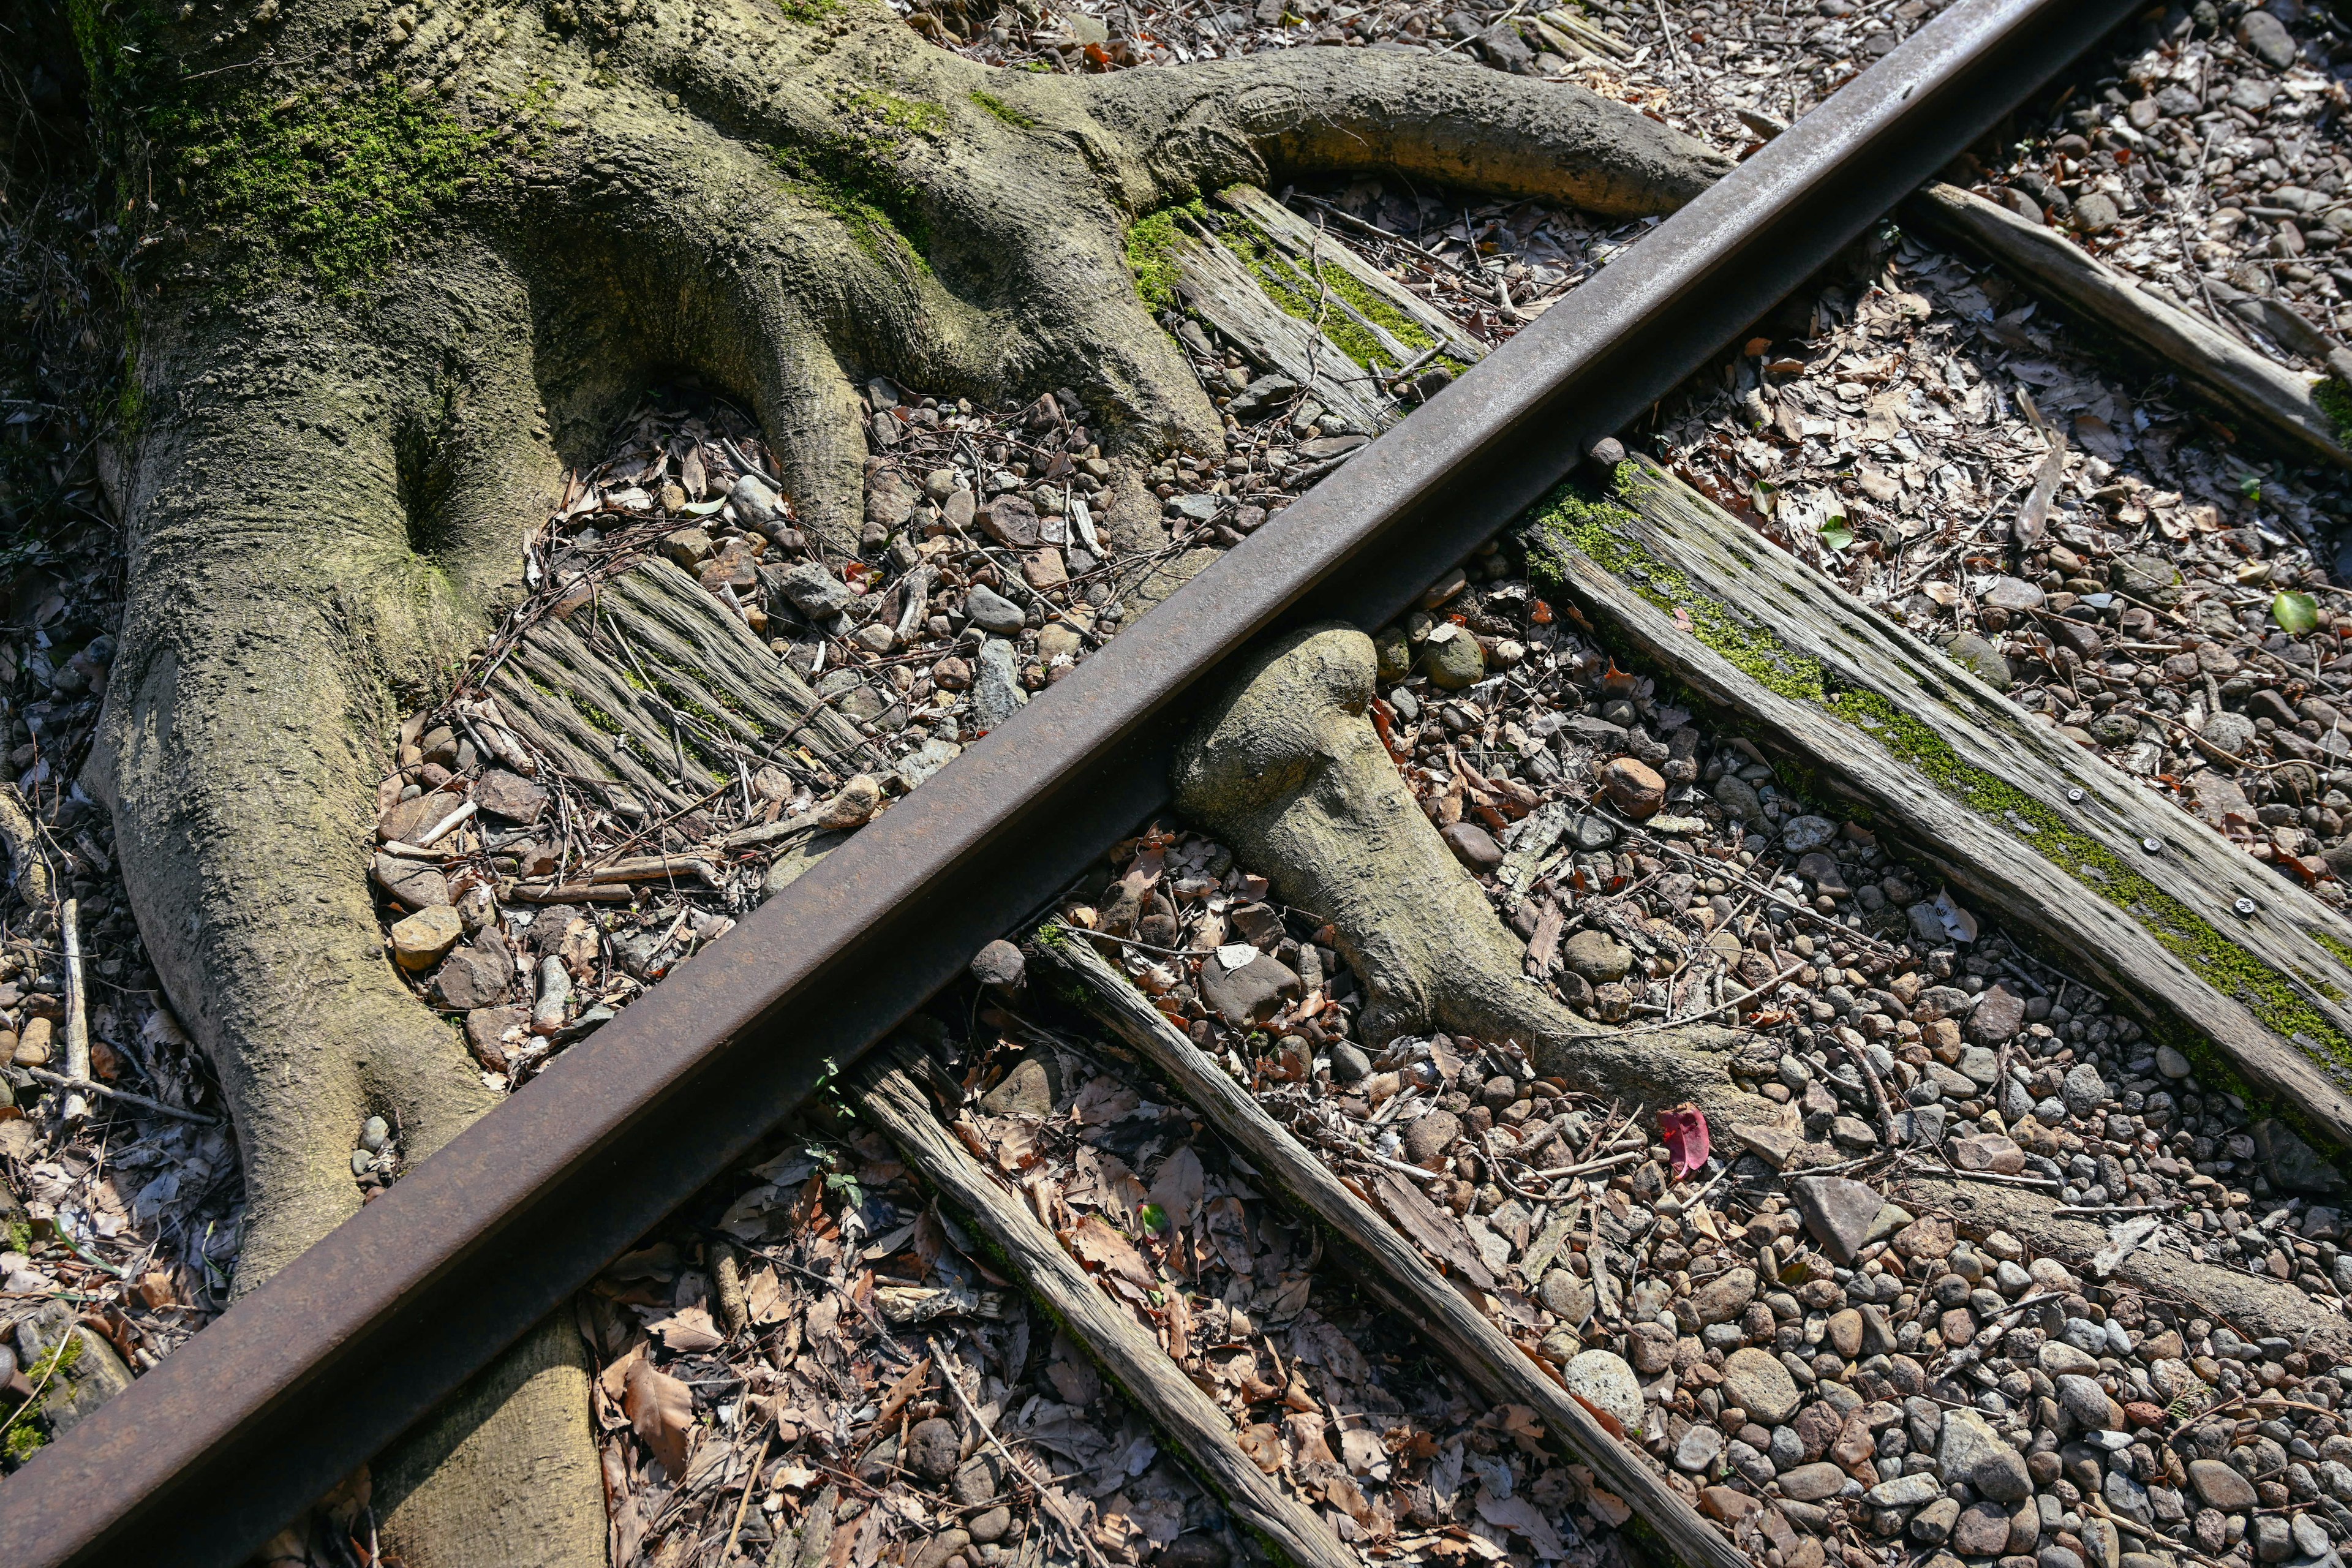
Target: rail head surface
(313, 1374)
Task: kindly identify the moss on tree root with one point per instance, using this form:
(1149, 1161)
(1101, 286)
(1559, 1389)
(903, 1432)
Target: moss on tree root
(1601, 531)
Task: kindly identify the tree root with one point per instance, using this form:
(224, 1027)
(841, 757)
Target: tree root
(339, 457)
(1287, 770)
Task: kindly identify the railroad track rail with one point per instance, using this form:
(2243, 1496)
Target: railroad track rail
(314, 1373)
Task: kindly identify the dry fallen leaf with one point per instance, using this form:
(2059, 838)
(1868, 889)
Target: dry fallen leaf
(1096, 1242)
(661, 1411)
(689, 1331)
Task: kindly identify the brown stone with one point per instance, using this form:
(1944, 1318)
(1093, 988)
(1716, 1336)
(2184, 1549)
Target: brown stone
(1988, 1151)
(1634, 786)
(1011, 521)
(509, 795)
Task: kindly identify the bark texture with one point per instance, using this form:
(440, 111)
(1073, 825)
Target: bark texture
(1288, 770)
(408, 266)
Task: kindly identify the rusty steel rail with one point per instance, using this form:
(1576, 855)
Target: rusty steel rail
(360, 1337)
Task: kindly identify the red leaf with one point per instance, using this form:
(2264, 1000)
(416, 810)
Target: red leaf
(1684, 1129)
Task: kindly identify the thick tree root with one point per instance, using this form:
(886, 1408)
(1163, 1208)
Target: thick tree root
(1287, 770)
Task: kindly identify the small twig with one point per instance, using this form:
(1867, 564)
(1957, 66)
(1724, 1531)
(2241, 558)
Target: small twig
(90, 1086)
(77, 1107)
(751, 1484)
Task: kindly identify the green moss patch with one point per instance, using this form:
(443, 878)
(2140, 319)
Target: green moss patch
(2335, 400)
(1306, 293)
(1600, 531)
(991, 104)
(335, 187)
(1151, 245)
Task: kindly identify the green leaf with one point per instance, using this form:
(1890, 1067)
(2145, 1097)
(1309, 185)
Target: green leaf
(2296, 614)
(1836, 535)
(1154, 1217)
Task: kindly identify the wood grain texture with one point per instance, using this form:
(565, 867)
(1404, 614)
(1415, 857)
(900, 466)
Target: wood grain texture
(2222, 367)
(1211, 279)
(2163, 935)
(1385, 1260)
(1188, 1418)
(1303, 242)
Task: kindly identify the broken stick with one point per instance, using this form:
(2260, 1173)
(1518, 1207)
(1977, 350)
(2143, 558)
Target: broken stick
(887, 1099)
(1388, 1263)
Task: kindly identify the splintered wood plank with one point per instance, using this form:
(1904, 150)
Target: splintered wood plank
(888, 1097)
(1389, 1265)
(2205, 942)
(1214, 283)
(698, 640)
(1304, 244)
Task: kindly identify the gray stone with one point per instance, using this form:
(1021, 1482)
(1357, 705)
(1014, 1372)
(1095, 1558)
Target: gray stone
(1009, 521)
(1566, 1297)
(1978, 1065)
(2129, 1498)
(2149, 578)
(1802, 835)
(509, 795)
(2002, 1476)
(1981, 1530)
(1701, 1446)
(1455, 663)
(1968, 1440)
(412, 882)
(814, 591)
(993, 612)
(1725, 1296)
(2088, 1403)
(2311, 1537)
(991, 1525)
(1839, 1213)
(1001, 965)
(2228, 733)
(1348, 1063)
(1812, 1483)
(2171, 1063)
(1250, 994)
(473, 977)
(2014, 594)
(1931, 1525)
(85, 1377)
(1981, 658)
(2060, 1359)
(1027, 1090)
(2266, 38)
(977, 1481)
(2272, 1538)
(2221, 1486)
(1904, 1491)
(1787, 1450)
(1597, 956)
(2096, 213)
(996, 692)
(1754, 1381)
(1606, 1381)
(755, 500)
(2083, 1090)
(1998, 1014)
